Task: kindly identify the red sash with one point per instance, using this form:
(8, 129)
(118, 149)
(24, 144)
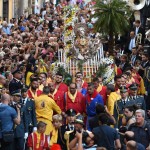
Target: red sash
(35, 141)
(90, 98)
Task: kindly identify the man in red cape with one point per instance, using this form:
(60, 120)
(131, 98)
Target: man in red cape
(57, 96)
(59, 85)
(74, 99)
(33, 90)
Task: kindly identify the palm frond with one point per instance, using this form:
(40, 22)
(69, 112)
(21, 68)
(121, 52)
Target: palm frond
(112, 17)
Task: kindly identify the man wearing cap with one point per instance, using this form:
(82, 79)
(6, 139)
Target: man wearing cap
(57, 96)
(71, 115)
(74, 99)
(33, 91)
(120, 105)
(78, 127)
(30, 110)
(21, 130)
(15, 83)
(59, 85)
(137, 99)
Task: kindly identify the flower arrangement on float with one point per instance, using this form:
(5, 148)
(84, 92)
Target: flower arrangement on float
(70, 18)
(54, 67)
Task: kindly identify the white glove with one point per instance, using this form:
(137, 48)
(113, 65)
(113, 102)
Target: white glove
(34, 129)
(146, 93)
(26, 135)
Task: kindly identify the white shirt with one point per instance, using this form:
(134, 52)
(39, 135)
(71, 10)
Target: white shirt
(136, 30)
(24, 100)
(132, 44)
(147, 2)
(125, 100)
(71, 127)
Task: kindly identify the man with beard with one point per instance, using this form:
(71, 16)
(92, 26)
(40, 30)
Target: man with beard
(74, 99)
(100, 88)
(80, 75)
(117, 83)
(15, 84)
(79, 86)
(68, 127)
(59, 85)
(57, 96)
(92, 99)
(43, 80)
(33, 90)
(145, 63)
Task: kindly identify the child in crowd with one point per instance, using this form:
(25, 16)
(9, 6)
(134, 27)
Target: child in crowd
(57, 123)
(38, 140)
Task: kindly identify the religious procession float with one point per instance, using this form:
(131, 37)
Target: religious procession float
(82, 52)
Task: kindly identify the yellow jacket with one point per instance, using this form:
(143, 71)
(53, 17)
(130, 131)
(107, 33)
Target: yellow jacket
(44, 107)
(111, 101)
(54, 136)
(141, 90)
(29, 74)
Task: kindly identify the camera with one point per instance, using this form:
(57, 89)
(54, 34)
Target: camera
(19, 103)
(85, 135)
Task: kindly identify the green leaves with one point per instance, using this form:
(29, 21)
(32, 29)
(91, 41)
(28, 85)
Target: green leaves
(112, 17)
(66, 75)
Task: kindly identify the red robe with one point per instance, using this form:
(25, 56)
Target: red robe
(116, 88)
(38, 93)
(32, 141)
(119, 71)
(84, 85)
(79, 105)
(63, 87)
(59, 99)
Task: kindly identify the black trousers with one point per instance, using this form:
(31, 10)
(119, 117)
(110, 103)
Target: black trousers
(19, 143)
(6, 145)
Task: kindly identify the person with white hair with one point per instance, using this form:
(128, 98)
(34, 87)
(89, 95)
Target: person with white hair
(6, 28)
(141, 129)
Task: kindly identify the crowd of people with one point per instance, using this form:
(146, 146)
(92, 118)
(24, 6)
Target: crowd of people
(38, 111)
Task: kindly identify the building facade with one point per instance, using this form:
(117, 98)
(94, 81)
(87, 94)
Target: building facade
(15, 8)
(6, 9)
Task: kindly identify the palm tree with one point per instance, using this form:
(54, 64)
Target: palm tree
(112, 19)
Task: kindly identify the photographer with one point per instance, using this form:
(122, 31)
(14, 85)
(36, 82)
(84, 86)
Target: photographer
(8, 116)
(82, 140)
